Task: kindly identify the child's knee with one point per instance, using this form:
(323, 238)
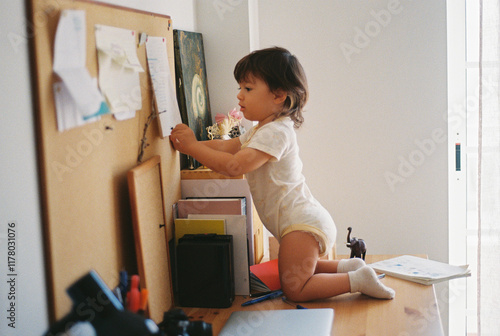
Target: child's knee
(292, 285)
(291, 294)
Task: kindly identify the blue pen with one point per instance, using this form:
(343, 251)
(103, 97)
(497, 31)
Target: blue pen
(263, 298)
(123, 284)
(291, 304)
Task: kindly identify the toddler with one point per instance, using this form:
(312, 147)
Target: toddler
(272, 92)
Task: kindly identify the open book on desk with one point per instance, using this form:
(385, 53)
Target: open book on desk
(420, 270)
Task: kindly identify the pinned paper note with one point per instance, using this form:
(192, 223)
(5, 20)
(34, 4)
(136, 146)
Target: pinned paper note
(119, 69)
(68, 113)
(69, 64)
(164, 90)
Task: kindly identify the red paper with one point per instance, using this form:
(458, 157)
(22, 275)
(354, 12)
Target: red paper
(268, 273)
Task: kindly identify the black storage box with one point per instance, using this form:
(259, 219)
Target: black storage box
(205, 272)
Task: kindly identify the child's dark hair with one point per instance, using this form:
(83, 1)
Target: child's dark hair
(279, 69)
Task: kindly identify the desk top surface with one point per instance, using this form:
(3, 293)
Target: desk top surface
(413, 311)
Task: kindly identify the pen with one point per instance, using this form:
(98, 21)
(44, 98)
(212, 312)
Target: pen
(291, 304)
(123, 284)
(381, 276)
(263, 298)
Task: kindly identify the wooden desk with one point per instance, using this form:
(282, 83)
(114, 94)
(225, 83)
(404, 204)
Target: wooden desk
(413, 311)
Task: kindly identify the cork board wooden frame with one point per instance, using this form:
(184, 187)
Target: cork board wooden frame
(148, 214)
(83, 171)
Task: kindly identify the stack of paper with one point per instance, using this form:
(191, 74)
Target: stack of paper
(211, 206)
(219, 216)
(423, 271)
(225, 188)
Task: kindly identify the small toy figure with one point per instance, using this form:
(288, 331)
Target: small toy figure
(357, 246)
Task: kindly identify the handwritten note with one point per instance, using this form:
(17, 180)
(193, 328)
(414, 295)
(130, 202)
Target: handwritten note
(119, 69)
(164, 90)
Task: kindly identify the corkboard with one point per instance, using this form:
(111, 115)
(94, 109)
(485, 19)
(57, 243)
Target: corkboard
(86, 205)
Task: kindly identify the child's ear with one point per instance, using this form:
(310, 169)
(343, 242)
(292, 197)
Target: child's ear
(280, 96)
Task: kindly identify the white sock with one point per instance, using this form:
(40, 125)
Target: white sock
(349, 265)
(365, 280)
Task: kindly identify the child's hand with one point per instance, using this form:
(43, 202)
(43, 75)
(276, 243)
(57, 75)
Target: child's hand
(182, 138)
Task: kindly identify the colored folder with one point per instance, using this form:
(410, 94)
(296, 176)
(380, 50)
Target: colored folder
(265, 276)
(184, 226)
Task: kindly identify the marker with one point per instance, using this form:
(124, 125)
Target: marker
(143, 301)
(262, 298)
(134, 296)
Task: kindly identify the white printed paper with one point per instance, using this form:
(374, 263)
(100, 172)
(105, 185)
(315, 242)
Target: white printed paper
(164, 90)
(420, 270)
(69, 64)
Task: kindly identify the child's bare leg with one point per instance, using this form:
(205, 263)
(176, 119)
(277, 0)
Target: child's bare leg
(339, 266)
(298, 258)
(326, 266)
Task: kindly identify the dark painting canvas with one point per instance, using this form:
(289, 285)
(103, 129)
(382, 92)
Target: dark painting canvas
(191, 79)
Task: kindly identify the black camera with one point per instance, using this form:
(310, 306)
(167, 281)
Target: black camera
(95, 305)
(176, 323)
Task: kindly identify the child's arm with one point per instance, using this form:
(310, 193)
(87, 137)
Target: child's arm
(225, 156)
(229, 146)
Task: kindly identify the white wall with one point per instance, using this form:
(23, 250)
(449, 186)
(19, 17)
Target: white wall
(375, 113)
(374, 141)
(19, 190)
(225, 29)
(181, 11)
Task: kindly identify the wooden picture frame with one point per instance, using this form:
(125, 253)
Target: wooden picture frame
(151, 245)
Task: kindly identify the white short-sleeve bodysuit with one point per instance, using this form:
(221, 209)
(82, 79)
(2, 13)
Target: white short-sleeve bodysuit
(280, 194)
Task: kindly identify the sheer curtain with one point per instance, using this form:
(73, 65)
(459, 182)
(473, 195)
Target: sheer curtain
(488, 258)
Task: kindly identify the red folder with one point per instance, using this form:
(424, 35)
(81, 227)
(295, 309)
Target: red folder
(268, 273)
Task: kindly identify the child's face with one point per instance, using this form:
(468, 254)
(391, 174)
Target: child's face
(257, 102)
